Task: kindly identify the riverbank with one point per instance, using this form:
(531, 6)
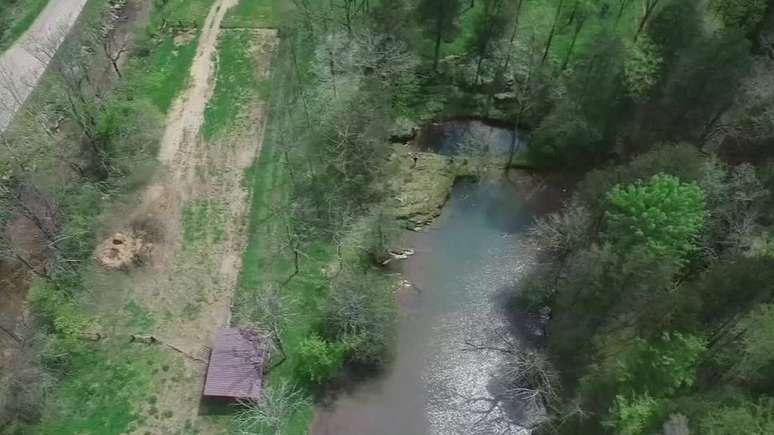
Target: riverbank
(442, 153)
(453, 307)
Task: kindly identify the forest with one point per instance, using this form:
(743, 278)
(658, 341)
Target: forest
(655, 277)
(656, 273)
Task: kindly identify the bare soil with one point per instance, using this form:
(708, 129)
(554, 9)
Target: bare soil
(187, 284)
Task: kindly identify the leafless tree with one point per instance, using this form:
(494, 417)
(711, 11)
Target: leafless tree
(114, 45)
(25, 201)
(271, 414)
(525, 376)
(562, 232)
(271, 310)
(24, 380)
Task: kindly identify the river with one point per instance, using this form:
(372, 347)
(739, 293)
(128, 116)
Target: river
(465, 265)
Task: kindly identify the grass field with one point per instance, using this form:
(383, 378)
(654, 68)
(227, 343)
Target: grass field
(16, 16)
(235, 85)
(255, 14)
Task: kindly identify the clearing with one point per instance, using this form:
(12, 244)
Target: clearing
(194, 214)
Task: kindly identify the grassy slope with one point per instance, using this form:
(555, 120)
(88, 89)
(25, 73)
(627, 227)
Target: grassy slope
(264, 261)
(104, 384)
(17, 18)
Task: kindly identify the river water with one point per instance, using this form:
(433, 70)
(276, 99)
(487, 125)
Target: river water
(465, 265)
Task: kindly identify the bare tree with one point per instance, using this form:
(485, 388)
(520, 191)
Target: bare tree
(562, 232)
(525, 376)
(271, 310)
(648, 7)
(114, 45)
(24, 380)
(270, 415)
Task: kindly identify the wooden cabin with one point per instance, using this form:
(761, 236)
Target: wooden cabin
(236, 365)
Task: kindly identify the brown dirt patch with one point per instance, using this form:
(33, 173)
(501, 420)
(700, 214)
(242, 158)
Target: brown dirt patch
(184, 37)
(122, 252)
(195, 215)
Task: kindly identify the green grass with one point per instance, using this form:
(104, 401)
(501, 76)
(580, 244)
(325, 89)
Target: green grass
(164, 74)
(235, 85)
(535, 22)
(254, 14)
(160, 67)
(182, 13)
(262, 266)
(140, 320)
(204, 223)
(99, 396)
(16, 18)
(265, 262)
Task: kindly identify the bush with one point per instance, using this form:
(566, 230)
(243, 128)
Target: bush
(663, 214)
(634, 416)
(318, 359)
(361, 312)
(747, 418)
(566, 138)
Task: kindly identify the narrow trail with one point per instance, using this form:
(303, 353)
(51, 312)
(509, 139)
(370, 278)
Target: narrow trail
(22, 65)
(187, 114)
(188, 285)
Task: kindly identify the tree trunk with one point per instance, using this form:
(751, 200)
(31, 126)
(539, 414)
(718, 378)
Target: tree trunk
(552, 32)
(31, 268)
(578, 28)
(487, 37)
(11, 334)
(438, 37)
(114, 62)
(507, 62)
(650, 6)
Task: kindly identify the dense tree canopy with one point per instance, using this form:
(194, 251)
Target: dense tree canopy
(663, 214)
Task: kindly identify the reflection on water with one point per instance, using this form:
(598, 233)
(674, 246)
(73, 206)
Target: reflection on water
(461, 136)
(436, 385)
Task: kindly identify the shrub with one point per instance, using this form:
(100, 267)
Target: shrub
(361, 312)
(318, 359)
(663, 214)
(634, 416)
(565, 137)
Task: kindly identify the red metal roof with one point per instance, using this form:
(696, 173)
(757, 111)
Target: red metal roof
(236, 365)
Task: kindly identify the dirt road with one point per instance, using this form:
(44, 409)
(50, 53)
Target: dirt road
(197, 207)
(22, 65)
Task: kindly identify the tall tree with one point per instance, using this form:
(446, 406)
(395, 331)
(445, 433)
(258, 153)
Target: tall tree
(552, 32)
(490, 24)
(581, 11)
(663, 214)
(648, 8)
(439, 18)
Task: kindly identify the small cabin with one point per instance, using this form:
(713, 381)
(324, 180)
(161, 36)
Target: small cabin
(236, 365)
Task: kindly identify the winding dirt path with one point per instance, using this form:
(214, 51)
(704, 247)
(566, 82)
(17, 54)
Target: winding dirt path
(187, 115)
(22, 65)
(200, 203)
